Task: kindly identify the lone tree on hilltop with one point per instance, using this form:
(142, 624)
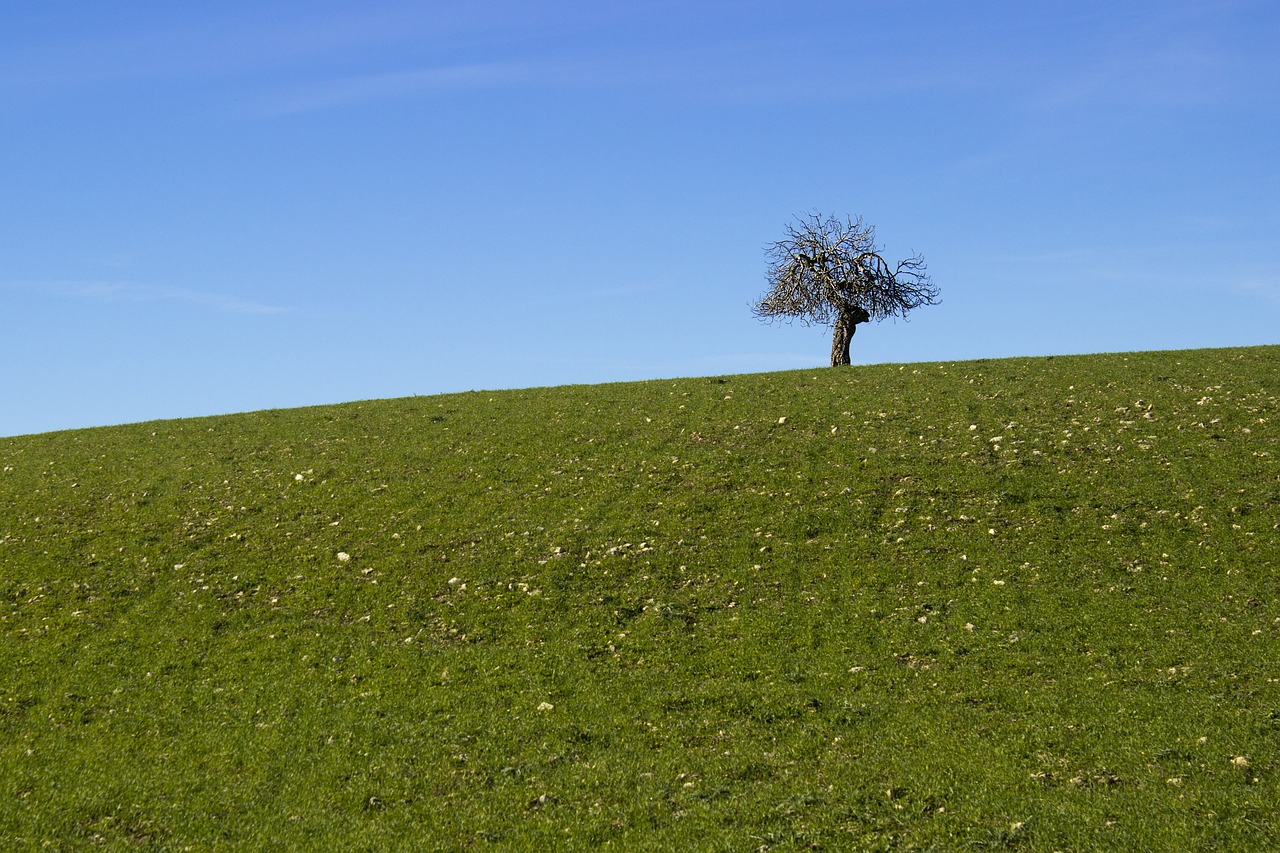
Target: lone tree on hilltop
(830, 272)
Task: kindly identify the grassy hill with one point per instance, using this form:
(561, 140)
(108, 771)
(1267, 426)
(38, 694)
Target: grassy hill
(1026, 603)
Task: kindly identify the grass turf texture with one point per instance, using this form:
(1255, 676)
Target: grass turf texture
(1026, 603)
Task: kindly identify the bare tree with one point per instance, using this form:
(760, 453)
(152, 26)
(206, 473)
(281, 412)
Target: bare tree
(831, 273)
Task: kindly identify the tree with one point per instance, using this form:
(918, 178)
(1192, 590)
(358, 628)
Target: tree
(831, 273)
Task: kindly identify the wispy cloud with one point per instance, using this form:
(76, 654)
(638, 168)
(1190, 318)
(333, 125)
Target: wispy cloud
(1265, 288)
(118, 291)
(302, 63)
(325, 94)
(1164, 77)
(1150, 267)
(182, 43)
(1168, 56)
(750, 362)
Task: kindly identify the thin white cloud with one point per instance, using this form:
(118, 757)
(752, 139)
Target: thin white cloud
(291, 63)
(1164, 55)
(1167, 267)
(753, 362)
(1264, 287)
(118, 291)
(325, 94)
(1164, 77)
(220, 43)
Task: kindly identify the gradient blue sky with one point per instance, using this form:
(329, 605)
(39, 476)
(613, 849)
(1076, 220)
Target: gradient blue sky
(216, 207)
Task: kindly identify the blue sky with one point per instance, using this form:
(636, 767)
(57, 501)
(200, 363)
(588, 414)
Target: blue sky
(217, 207)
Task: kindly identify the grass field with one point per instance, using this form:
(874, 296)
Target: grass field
(1029, 604)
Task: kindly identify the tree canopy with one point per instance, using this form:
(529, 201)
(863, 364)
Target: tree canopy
(830, 272)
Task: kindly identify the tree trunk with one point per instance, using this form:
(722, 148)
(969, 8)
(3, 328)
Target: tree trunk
(846, 325)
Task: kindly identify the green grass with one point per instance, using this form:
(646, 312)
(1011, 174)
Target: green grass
(1026, 603)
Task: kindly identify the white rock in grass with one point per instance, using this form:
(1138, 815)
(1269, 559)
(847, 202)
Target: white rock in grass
(546, 706)
(782, 420)
(343, 556)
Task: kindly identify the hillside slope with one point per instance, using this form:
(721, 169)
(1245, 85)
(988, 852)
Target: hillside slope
(1017, 602)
